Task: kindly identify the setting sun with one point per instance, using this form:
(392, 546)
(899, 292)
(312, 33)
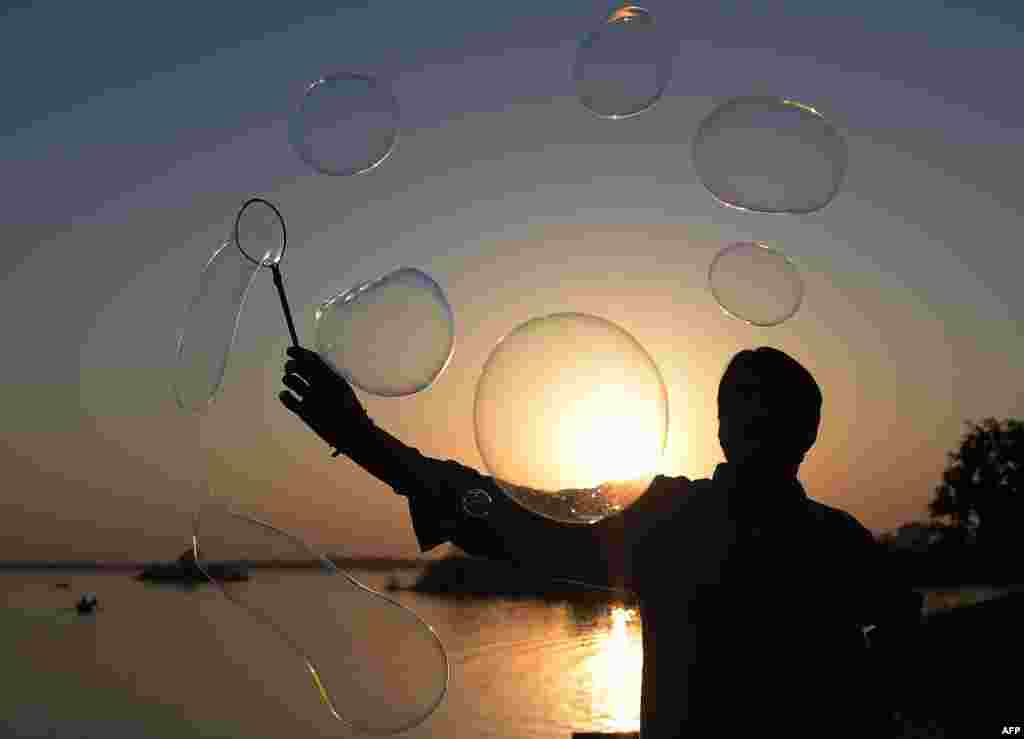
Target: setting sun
(604, 438)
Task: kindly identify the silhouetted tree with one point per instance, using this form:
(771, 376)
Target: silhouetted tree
(918, 536)
(983, 485)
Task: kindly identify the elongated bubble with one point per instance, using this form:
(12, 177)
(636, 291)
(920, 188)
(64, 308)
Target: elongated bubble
(756, 283)
(392, 336)
(377, 667)
(211, 321)
(769, 155)
(571, 417)
(622, 68)
(346, 124)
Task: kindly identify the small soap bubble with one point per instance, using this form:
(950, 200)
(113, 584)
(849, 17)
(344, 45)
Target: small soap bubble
(769, 155)
(346, 124)
(622, 68)
(756, 283)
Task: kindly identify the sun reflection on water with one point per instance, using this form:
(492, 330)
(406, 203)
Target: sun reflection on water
(614, 672)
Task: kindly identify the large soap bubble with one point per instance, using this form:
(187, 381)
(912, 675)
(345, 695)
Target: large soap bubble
(755, 283)
(769, 155)
(392, 336)
(346, 124)
(622, 68)
(377, 667)
(571, 417)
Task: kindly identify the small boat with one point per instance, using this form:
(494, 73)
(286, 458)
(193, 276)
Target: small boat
(87, 603)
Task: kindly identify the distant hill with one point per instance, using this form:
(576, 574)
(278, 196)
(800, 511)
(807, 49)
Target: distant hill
(353, 563)
(74, 564)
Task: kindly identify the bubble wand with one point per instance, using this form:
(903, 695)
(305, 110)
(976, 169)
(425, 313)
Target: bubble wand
(273, 256)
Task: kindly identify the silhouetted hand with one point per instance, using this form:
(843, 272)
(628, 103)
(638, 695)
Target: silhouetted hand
(322, 398)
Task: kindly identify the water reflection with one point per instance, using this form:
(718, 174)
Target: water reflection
(521, 668)
(611, 673)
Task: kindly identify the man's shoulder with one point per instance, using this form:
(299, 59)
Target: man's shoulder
(666, 502)
(836, 517)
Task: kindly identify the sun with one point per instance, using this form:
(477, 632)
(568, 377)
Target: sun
(604, 437)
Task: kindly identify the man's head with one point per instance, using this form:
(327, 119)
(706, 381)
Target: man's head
(769, 408)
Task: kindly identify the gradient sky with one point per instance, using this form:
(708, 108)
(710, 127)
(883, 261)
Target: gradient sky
(132, 132)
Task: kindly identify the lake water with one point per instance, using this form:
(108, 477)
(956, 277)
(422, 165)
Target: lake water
(159, 661)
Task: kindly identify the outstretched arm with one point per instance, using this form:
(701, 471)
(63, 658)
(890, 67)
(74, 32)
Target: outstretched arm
(442, 503)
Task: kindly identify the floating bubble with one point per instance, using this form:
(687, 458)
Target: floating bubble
(260, 232)
(769, 155)
(211, 321)
(622, 68)
(346, 124)
(756, 283)
(571, 417)
(392, 336)
(376, 665)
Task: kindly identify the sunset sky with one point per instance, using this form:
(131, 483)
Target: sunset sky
(132, 132)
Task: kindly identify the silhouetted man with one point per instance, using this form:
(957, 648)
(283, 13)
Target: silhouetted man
(753, 597)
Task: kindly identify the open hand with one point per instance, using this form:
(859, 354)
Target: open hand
(321, 397)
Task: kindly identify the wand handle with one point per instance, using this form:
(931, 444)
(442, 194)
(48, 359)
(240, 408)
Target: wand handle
(279, 284)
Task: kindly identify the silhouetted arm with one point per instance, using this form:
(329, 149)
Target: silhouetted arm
(603, 554)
